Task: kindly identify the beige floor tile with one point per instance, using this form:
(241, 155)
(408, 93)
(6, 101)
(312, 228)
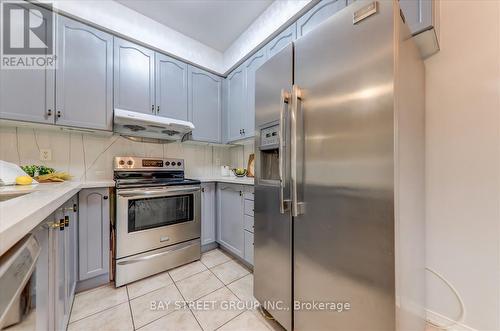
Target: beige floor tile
(116, 318)
(187, 270)
(94, 301)
(181, 320)
(229, 271)
(149, 284)
(248, 321)
(198, 285)
(214, 257)
(243, 288)
(143, 310)
(223, 306)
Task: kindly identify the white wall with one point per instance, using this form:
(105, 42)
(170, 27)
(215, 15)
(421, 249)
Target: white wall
(90, 157)
(462, 166)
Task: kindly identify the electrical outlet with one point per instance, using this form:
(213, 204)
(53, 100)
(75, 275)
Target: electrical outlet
(45, 155)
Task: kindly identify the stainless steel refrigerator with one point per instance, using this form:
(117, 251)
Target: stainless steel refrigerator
(339, 177)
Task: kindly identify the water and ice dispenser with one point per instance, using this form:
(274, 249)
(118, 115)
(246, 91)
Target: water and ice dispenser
(269, 153)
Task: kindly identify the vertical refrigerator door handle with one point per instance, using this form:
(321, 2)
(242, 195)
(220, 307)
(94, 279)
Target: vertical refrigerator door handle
(285, 98)
(297, 206)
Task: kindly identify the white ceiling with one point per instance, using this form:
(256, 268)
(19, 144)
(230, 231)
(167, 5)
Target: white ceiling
(215, 23)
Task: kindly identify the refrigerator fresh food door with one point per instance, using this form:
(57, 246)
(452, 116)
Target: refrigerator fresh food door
(273, 221)
(342, 106)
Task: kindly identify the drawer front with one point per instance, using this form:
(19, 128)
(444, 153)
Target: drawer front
(248, 192)
(249, 247)
(249, 207)
(249, 223)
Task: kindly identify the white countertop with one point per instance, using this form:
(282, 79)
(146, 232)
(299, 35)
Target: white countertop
(231, 180)
(20, 215)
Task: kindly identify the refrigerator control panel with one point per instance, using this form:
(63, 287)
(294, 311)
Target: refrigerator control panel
(269, 137)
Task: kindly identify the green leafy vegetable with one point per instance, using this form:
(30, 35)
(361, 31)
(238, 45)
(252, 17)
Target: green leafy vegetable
(35, 170)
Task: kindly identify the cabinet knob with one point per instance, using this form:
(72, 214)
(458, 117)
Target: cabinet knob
(153, 109)
(203, 189)
(49, 112)
(241, 193)
(243, 131)
(59, 114)
(66, 221)
(61, 224)
(105, 197)
(158, 109)
(75, 207)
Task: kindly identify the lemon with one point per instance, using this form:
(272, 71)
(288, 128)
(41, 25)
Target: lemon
(24, 180)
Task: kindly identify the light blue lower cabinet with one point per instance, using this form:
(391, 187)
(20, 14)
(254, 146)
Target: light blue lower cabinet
(207, 215)
(93, 233)
(234, 225)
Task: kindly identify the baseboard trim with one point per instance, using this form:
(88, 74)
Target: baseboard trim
(91, 283)
(439, 319)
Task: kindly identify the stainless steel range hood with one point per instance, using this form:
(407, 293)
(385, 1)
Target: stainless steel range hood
(134, 124)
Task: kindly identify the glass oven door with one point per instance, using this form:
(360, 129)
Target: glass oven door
(149, 213)
(150, 218)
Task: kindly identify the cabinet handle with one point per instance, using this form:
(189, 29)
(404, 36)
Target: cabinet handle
(153, 109)
(75, 207)
(158, 109)
(59, 114)
(54, 225)
(203, 189)
(66, 221)
(61, 225)
(105, 197)
(241, 193)
(243, 130)
(49, 112)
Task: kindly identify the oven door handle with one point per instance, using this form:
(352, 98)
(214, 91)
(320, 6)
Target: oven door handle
(156, 193)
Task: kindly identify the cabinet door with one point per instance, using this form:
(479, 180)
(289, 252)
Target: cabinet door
(251, 65)
(207, 213)
(280, 41)
(27, 94)
(133, 77)
(93, 233)
(43, 286)
(235, 103)
(418, 14)
(171, 87)
(316, 15)
(230, 218)
(205, 105)
(59, 259)
(71, 238)
(84, 88)
(248, 247)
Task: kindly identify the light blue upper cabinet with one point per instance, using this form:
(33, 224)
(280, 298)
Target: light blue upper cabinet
(418, 14)
(205, 105)
(281, 40)
(134, 81)
(251, 65)
(316, 15)
(235, 95)
(84, 88)
(171, 87)
(28, 94)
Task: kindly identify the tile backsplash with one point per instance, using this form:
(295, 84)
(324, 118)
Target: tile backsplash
(89, 157)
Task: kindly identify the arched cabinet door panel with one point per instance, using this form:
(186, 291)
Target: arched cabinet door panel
(205, 105)
(318, 14)
(134, 81)
(235, 103)
(93, 232)
(84, 79)
(171, 87)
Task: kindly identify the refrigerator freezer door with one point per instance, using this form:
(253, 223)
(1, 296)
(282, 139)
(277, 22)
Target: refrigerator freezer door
(344, 237)
(273, 229)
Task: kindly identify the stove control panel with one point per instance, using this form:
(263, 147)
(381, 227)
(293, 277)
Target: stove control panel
(127, 163)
